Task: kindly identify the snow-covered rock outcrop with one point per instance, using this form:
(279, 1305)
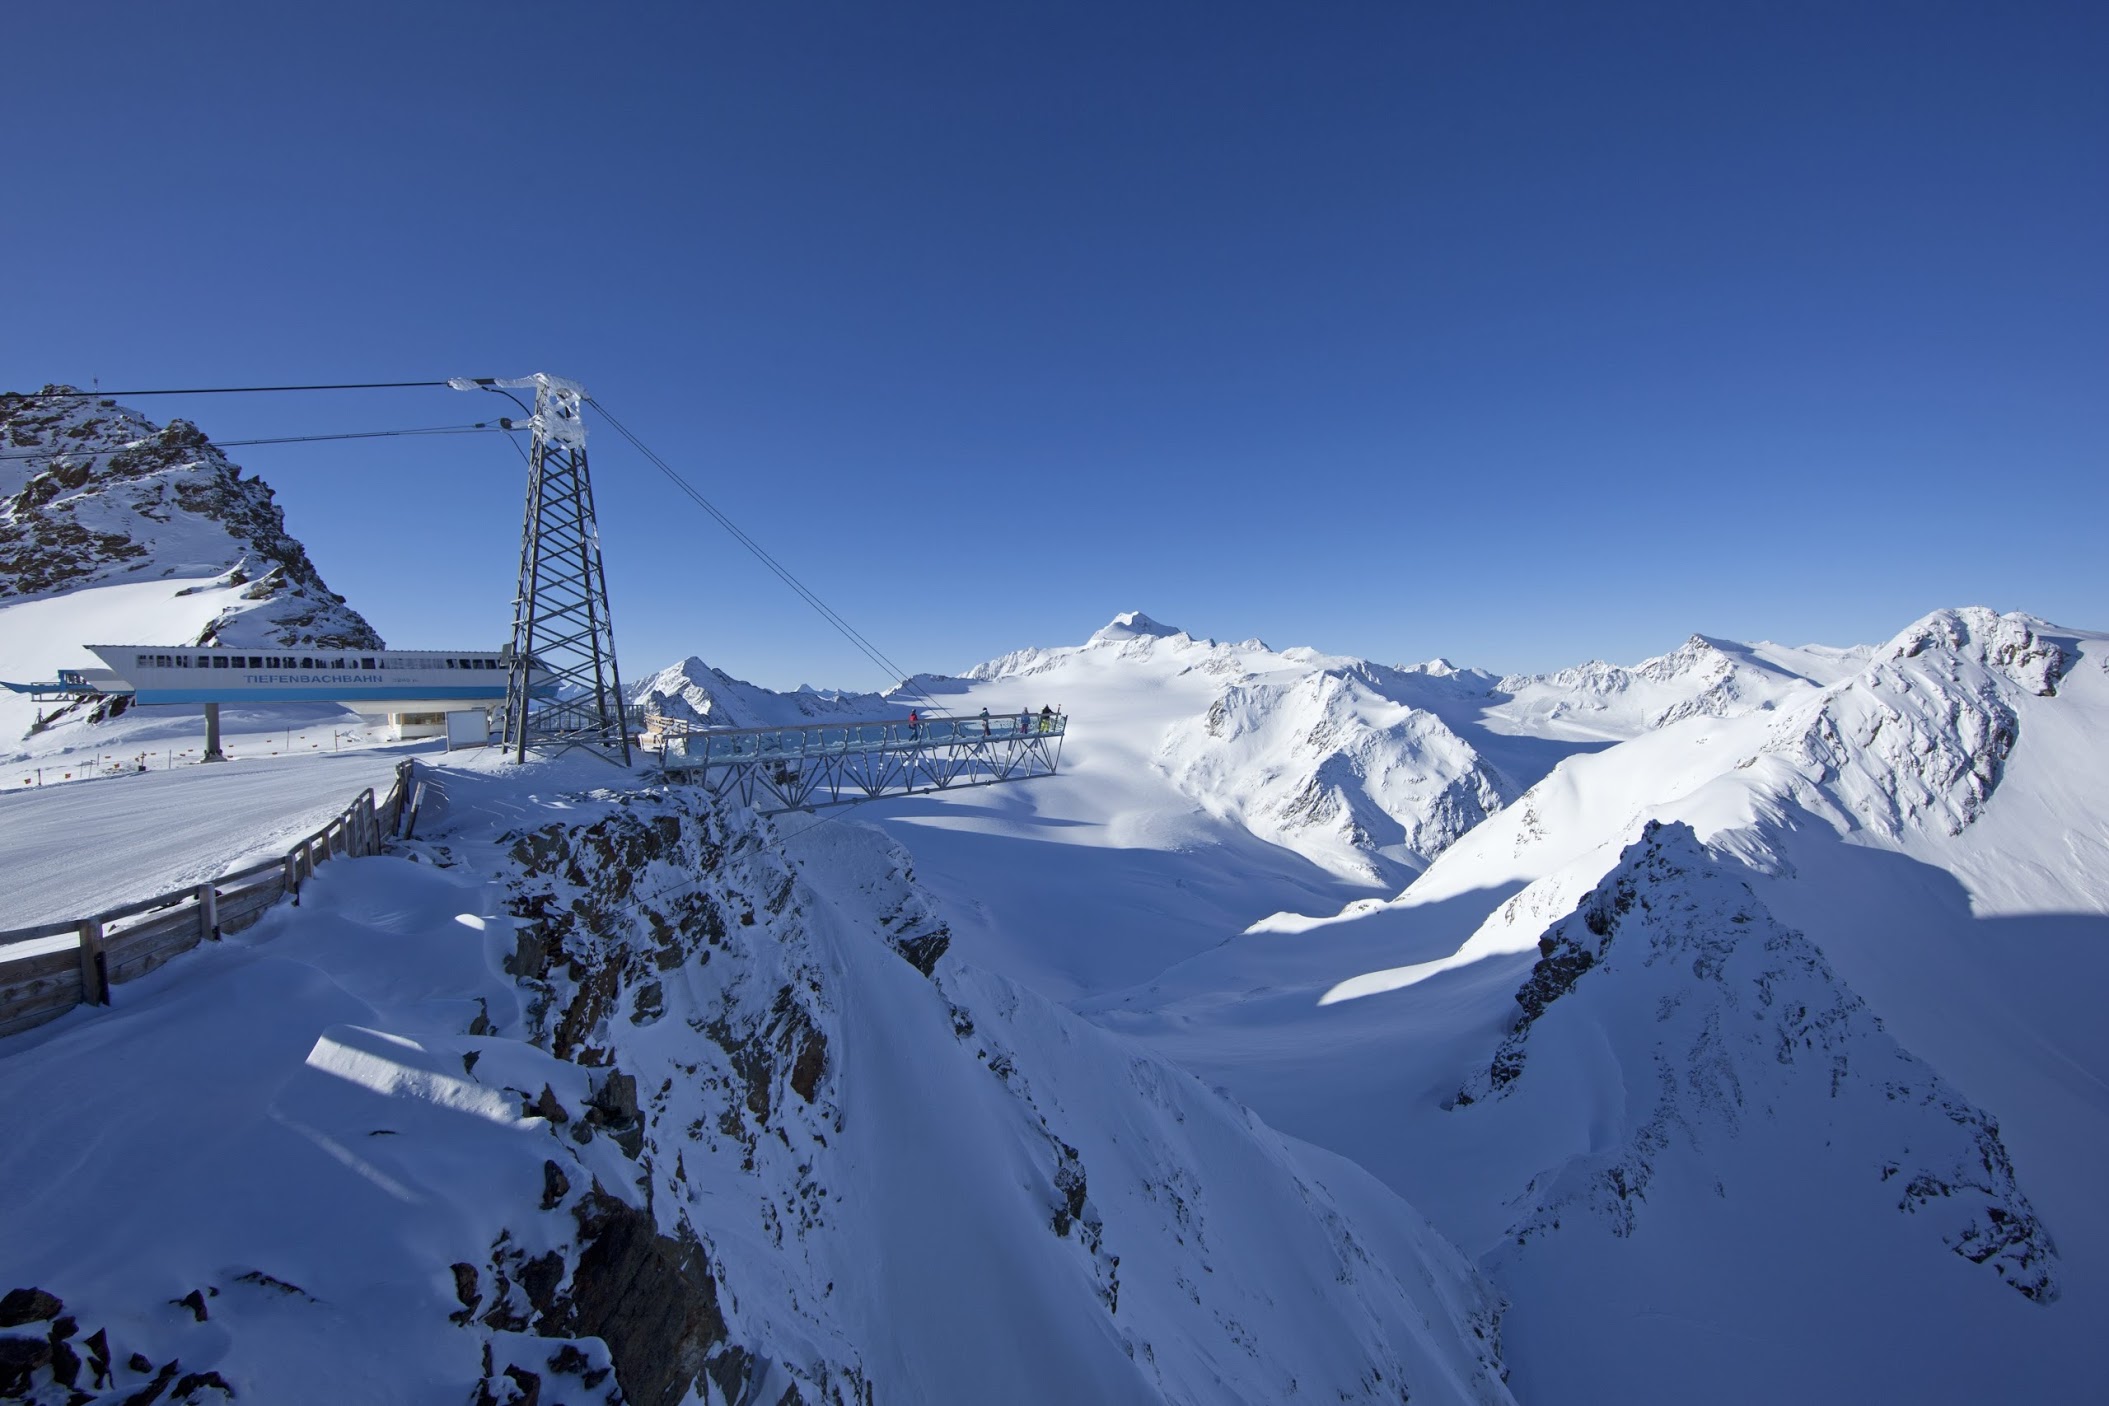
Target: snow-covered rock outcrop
(103, 496)
(1919, 738)
(1721, 1029)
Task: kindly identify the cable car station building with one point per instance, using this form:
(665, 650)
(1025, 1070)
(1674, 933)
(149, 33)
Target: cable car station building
(414, 690)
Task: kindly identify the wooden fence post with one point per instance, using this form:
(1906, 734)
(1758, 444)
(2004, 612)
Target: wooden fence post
(209, 912)
(95, 966)
(293, 875)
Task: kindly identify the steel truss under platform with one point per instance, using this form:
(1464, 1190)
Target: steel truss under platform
(775, 769)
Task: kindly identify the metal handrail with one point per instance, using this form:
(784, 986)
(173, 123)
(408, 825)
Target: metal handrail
(814, 740)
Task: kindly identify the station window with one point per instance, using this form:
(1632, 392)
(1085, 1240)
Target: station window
(365, 663)
(142, 661)
(256, 661)
(219, 661)
(453, 663)
(161, 661)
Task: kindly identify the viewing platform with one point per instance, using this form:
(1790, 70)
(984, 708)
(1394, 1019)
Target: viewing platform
(776, 769)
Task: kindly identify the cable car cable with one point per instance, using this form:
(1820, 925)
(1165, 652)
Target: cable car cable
(783, 573)
(486, 426)
(244, 390)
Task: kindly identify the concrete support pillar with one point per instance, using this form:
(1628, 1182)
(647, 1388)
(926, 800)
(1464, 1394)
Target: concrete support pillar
(212, 734)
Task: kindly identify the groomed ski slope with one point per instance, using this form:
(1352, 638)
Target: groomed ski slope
(81, 829)
(75, 849)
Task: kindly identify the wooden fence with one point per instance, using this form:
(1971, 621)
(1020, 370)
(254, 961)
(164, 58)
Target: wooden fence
(125, 943)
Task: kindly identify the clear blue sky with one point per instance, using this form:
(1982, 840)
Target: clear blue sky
(1515, 333)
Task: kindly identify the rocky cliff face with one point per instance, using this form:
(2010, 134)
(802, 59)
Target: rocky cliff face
(831, 1213)
(93, 494)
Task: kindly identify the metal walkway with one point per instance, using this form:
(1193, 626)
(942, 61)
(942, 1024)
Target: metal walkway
(775, 769)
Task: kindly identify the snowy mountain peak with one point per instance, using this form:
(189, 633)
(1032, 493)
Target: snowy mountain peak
(1133, 625)
(2009, 644)
(696, 692)
(1720, 1019)
(101, 495)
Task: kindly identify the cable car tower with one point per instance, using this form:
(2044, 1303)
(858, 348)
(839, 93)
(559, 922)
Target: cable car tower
(563, 689)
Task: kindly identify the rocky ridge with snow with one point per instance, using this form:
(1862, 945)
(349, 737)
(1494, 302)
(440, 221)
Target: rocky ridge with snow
(94, 494)
(1725, 1025)
(1700, 678)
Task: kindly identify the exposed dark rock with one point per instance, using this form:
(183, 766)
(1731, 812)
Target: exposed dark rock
(539, 1279)
(812, 1060)
(28, 1306)
(555, 1185)
(546, 1106)
(650, 1298)
(195, 1302)
(152, 1391)
(272, 1282)
(466, 1292)
(191, 1383)
(19, 1359)
(922, 950)
(615, 1101)
(65, 1362)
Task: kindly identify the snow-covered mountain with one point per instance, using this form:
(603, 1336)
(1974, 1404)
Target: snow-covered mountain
(94, 494)
(1333, 758)
(1701, 677)
(695, 692)
(1888, 942)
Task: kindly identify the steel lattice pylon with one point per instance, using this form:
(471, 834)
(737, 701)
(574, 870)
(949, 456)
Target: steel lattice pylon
(563, 690)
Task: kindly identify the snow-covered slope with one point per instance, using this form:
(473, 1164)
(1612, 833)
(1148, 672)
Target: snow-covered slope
(633, 1085)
